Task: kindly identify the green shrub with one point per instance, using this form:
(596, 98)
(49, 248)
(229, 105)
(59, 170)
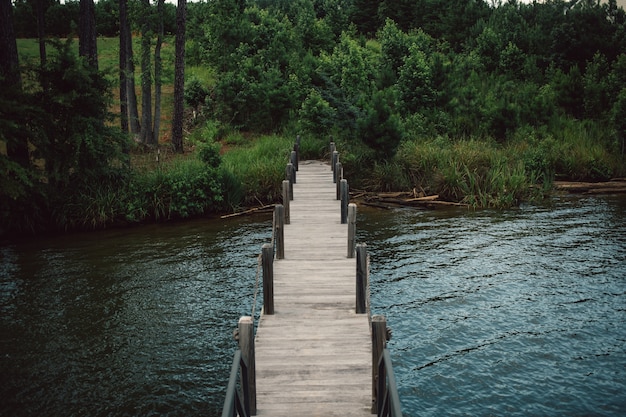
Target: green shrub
(209, 153)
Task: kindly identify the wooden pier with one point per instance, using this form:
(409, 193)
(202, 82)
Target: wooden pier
(314, 355)
(316, 351)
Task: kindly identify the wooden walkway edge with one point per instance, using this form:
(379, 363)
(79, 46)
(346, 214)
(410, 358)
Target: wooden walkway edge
(314, 354)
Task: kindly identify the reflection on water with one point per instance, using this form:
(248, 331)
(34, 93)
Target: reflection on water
(521, 312)
(133, 322)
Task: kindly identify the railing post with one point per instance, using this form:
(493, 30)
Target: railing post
(286, 199)
(339, 169)
(379, 340)
(333, 163)
(345, 200)
(289, 177)
(294, 159)
(246, 345)
(362, 278)
(293, 172)
(267, 259)
(296, 147)
(351, 229)
(279, 214)
(332, 151)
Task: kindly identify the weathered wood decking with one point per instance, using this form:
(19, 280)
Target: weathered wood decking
(313, 356)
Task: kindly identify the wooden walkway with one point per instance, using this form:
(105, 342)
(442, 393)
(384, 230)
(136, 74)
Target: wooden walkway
(313, 356)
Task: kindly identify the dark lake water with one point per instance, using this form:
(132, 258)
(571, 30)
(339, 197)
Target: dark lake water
(519, 312)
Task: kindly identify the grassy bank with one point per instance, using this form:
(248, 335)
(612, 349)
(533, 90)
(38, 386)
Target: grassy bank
(483, 173)
(479, 172)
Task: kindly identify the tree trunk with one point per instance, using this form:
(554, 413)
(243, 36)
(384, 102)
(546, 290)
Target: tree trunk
(9, 60)
(158, 66)
(17, 150)
(87, 35)
(123, 67)
(131, 92)
(179, 77)
(146, 76)
(41, 32)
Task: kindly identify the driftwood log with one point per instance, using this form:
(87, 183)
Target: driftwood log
(402, 199)
(616, 186)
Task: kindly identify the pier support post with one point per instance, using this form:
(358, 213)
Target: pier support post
(290, 177)
(379, 341)
(267, 260)
(362, 278)
(279, 216)
(339, 169)
(345, 200)
(332, 151)
(246, 345)
(351, 229)
(286, 199)
(335, 161)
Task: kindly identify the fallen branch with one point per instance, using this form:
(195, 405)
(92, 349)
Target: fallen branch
(250, 211)
(608, 187)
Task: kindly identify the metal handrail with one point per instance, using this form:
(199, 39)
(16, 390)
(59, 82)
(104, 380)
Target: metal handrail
(388, 398)
(237, 401)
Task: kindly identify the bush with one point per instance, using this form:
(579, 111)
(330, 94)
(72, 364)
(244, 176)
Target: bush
(182, 189)
(195, 92)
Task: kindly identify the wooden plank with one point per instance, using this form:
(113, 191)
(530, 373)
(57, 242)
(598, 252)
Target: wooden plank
(313, 355)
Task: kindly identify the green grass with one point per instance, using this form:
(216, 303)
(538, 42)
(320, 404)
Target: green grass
(480, 173)
(259, 167)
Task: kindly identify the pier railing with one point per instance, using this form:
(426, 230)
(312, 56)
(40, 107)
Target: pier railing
(388, 401)
(237, 402)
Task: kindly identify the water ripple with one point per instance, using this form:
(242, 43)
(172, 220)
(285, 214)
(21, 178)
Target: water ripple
(505, 313)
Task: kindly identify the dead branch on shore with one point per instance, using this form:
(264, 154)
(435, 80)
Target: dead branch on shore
(249, 211)
(615, 186)
(411, 199)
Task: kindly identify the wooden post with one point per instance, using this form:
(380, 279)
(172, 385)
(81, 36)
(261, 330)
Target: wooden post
(351, 229)
(294, 159)
(293, 172)
(289, 177)
(339, 169)
(362, 278)
(279, 214)
(379, 341)
(267, 259)
(286, 199)
(345, 200)
(332, 150)
(246, 345)
(334, 165)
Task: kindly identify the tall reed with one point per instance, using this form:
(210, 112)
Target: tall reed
(260, 167)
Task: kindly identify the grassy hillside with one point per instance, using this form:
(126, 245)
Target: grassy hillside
(108, 62)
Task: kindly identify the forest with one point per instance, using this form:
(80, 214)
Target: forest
(485, 103)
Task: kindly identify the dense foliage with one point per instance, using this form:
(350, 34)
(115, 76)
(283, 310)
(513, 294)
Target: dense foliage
(482, 102)
(389, 75)
(76, 173)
